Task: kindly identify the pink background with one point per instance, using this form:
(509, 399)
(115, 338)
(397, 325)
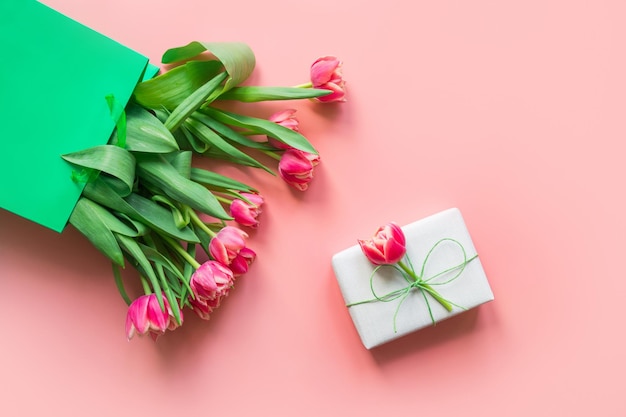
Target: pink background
(512, 111)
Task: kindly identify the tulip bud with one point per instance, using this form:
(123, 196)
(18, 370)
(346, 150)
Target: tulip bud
(326, 74)
(211, 280)
(296, 168)
(145, 316)
(244, 213)
(386, 247)
(229, 248)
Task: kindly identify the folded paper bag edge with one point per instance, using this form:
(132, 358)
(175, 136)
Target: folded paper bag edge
(46, 193)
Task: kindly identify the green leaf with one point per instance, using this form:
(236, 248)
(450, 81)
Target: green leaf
(138, 208)
(110, 159)
(157, 171)
(236, 195)
(205, 239)
(262, 126)
(175, 284)
(180, 219)
(229, 133)
(155, 256)
(189, 142)
(162, 114)
(181, 161)
(117, 225)
(159, 218)
(237, 58)
(136, 228)
(213, 179)
(168, 90)
(183, 53)
(185, 140)
(120, 284)
(132, 248)
(188, 270)
(193, 102)
(251, 94)
(196, 144)
(207, 135)
(93, 221)
(145, 133)
(172, 301)
(161, 262)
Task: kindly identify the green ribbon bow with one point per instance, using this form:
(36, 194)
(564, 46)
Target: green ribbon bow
(418, 282)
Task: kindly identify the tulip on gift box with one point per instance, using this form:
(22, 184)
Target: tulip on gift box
(404, 279)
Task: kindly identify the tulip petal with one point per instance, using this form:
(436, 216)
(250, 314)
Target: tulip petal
(137, 314)
(322, 70)
(372, 252)
(296, 168)
(397, 233)
(233, 238)
(239, 266)
(386, 247)
(394, 251)
(130, 327)
(218, 251)
(244, 213)
(157, 318)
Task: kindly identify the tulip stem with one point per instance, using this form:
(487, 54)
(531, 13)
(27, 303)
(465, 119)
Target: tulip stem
(272, 154)
(182, 252)
(408, 270)
(424, 286)
(120, 284)
(146, 287)
(305, 85)
(198, 222)
(224, 200)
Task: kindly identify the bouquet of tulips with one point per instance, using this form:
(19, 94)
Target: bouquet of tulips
(145, 204)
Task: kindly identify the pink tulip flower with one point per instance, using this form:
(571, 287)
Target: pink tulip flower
(387, 247)
(247, 214)
(326, 74)
(145, 316)
(203, 308)
(210, 283)
(296, 168)
(242, 261)
(211, 280)
(286, 119)
(229, 248)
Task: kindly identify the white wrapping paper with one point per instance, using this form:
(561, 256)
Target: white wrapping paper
(374, 321)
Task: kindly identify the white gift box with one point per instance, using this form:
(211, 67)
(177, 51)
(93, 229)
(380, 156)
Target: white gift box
(465, 285)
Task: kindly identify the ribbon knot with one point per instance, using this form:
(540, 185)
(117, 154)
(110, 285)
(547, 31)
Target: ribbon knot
(417, 281)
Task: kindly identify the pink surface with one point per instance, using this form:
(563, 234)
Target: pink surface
(511, 111)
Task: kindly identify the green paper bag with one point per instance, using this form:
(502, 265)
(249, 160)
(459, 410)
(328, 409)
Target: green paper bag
(54, 79)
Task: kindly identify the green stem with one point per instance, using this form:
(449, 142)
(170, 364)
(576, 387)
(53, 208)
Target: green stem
(272, 154)
(408, 270)
(198, 222)
(120, 285)
(436, 296)
(146, 286)
(224, 200)
(305, 85)
(178, 248)
(421, 284)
